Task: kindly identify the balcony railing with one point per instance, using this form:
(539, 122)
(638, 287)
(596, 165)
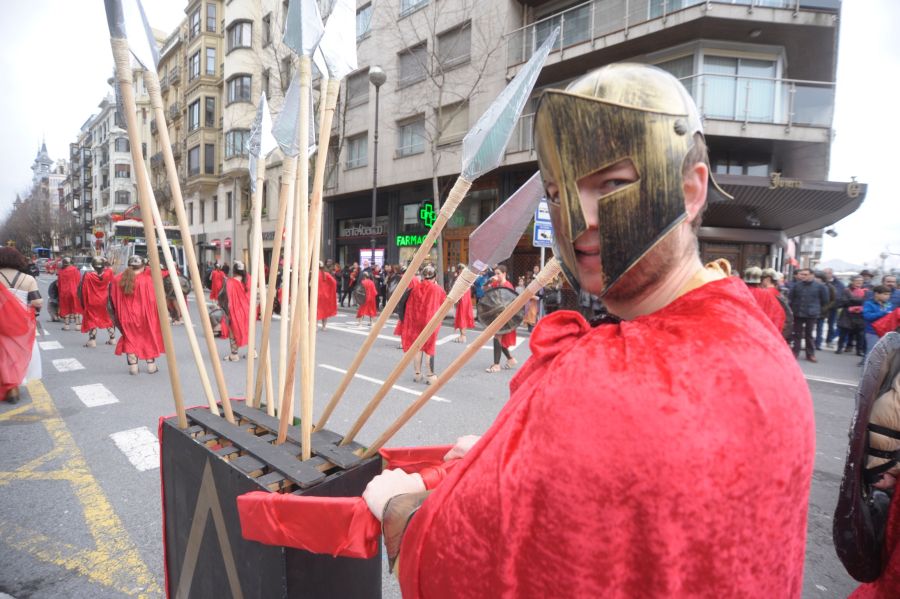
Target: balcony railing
(598, 18)
(174, 75)
(156, 160)
(164, 83)
(153, 128)
(785, 102)
(174, 111)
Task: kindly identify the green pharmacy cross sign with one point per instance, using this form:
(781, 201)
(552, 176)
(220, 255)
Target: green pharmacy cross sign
(427, 214)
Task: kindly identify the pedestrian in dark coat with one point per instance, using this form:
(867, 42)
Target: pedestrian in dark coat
(807, 298)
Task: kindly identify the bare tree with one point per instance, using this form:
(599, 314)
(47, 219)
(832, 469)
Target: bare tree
(32, 221)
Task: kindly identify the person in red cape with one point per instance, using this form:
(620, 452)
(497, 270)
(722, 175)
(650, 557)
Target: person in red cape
(20, 303)
(368, 307)
(503, 342)
(93, 294)
(132, 304)
(68, 278)
(327, 304)
(423, 302)
(235, 303)
(216, 282)
(643, 457)
(463, 319)
(767, 302)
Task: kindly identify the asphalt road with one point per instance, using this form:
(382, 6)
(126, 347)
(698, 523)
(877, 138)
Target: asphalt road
(79, 477)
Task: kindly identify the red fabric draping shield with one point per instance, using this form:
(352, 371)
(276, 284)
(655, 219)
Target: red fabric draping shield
(888, 584)
(423, 302)
(216, 281)
(327, 306)
(886, 324)
(137, 317)
(368, 308)
(94, 293)
(67, 283)
(464, 318)
(17, 330)
(769, 305)
(238, 310)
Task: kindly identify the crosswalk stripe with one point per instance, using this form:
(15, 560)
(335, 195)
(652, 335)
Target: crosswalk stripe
(140, 447)
(47, 345)
(823, 379)
(67, 364)
(380, 382)
(95, 395)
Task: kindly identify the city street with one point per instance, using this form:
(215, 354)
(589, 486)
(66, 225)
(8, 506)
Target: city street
(79, 476)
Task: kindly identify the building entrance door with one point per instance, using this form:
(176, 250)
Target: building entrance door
(456, 251)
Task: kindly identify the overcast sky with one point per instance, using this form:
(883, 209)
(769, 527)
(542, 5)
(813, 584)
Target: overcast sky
(56, 61)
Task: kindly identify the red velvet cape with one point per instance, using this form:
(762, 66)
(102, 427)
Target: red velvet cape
(769, 305)
(888, 584)
(368, 308)
(464, 318)
(422, 303)
(216, 281)
(17, 331)
(67, 283)
(327, 306)
(507, 339)
(94, 293)
(238, 310)
(641, 459)
(138, 318)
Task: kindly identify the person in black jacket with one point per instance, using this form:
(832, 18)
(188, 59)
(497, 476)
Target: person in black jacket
(807, 298)
(850, 321)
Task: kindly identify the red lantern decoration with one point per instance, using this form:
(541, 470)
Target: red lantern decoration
(99, 234)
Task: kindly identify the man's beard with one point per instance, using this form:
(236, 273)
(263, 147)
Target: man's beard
(651, 269)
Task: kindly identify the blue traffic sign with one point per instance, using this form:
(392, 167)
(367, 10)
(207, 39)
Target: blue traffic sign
(542, 213)
(543, 235)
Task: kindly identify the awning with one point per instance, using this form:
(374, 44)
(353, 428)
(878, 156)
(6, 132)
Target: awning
(794, 206)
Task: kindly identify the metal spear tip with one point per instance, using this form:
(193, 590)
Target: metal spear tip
(339, 55)
(303, 28)
(115, 18)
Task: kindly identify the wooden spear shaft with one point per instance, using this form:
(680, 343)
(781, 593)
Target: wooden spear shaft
(151, 80)
(257, 273)
(122, 58)
(287, 296)
(543, 278)
(288, 165)
(456, 196)
(462, 285)
(263, 299)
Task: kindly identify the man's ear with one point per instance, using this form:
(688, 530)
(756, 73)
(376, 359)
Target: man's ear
(695, 181)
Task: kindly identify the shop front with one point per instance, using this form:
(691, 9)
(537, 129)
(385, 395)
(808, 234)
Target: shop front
(354, 240)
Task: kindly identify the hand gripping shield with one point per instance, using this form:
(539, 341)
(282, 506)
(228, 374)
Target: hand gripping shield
(619, 112)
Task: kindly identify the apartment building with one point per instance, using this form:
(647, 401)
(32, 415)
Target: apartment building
(78, 198)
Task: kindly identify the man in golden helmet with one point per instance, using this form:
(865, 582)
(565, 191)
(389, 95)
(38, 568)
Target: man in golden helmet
(643, 457)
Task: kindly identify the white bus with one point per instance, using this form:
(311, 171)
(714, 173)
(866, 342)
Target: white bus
(128, 240)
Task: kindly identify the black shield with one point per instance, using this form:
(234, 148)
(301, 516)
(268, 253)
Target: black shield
(359, 294)
(392, 283)
(493, 302)
(861, 513)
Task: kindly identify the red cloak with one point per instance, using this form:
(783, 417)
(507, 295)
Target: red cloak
(216, 281)
(368, 308)
(641, 459)
(67, 283)
(327, 306)
(238, 312)
(422, 303)
(17, 331)
(507, 339)
(94, 293)
(463, 318)
(137, 317)
(769, 305)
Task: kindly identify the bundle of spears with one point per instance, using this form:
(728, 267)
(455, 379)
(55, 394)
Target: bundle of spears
(228, 449)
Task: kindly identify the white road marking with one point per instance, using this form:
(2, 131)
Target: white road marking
(380, 382)
(140, 447)
(47, 345)
(822, 379)
(364, 331)
(95, 395)
(67, 365)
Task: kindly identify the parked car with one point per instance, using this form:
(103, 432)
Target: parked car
(42, 264)
(82, 263)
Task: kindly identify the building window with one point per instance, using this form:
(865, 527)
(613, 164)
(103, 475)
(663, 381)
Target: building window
(123, 171)
(287, 65)
(211, 17)
(123, 198)
(267, 30)
(411, 137)
(228, 204)
(215, 208)
(122, 144)
(453, 122)
(408, 6)
(209, 159)
(267, 82)
(411, 218)
(194, 115)
(201, 208)
(190, 213)
(412, 65)
(363, 21)
(195, 24)
(357, 151)
(236, 143)
(239, 88)
(211, 61)
(358, 88)
(239, 35)
(454, 46)
(331, 163)
(209, 119)
(194, 161)
(739, 88)
(194, 66)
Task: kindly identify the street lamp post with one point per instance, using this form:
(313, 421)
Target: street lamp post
(377, 77)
